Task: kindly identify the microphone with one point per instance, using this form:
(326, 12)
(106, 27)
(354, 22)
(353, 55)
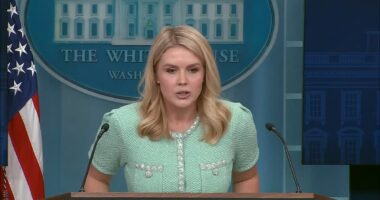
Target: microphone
(103, 129)
(272, 128)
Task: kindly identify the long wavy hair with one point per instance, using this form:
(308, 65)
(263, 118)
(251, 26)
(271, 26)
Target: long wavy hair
(213, 114)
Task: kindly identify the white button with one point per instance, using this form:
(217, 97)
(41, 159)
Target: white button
(148, 174)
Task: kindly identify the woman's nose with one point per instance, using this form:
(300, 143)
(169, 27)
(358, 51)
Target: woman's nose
(182, 79)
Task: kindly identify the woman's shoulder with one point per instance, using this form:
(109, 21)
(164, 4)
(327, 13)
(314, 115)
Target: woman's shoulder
(129, 110)
(235, 107)
(132, 107)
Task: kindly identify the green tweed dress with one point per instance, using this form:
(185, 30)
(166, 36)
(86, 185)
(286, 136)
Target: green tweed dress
(181, 164)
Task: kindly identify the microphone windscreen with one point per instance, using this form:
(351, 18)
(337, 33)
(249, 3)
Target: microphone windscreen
(105, 127)
(269, 126)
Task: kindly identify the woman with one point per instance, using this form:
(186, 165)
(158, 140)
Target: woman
(180, 137)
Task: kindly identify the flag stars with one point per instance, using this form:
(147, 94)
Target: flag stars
(32, 68)
(11, 29)
(8, 70)
(9, 48)
(12, 10)
(18, 68)
(22, 32)
(21, 48)
(16, 87)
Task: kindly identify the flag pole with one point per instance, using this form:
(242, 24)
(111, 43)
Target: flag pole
(3, 100)
(3, 84)
(4, 185)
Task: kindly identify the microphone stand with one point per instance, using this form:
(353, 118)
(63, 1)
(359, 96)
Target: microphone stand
(272, 128)
(102, 131)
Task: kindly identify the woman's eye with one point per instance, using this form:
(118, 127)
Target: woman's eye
(194, 70)
(170, 70)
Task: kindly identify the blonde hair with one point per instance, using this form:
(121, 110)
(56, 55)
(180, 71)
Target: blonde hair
(213, 114)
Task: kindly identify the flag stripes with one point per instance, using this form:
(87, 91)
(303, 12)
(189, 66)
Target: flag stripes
(21, 129)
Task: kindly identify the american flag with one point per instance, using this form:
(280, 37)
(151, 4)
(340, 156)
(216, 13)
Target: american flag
(23, 177)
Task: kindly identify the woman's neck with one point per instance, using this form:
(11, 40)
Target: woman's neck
(181, 120)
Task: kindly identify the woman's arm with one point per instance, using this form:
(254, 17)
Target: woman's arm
(247, 181)
(96, 181)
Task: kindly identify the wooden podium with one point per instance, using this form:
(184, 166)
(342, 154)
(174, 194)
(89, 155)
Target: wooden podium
(126, 195)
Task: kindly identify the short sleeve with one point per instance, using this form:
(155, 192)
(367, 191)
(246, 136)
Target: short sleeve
(107, 156)
(245, 140)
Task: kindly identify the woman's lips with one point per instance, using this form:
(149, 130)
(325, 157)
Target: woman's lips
(183, 94)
